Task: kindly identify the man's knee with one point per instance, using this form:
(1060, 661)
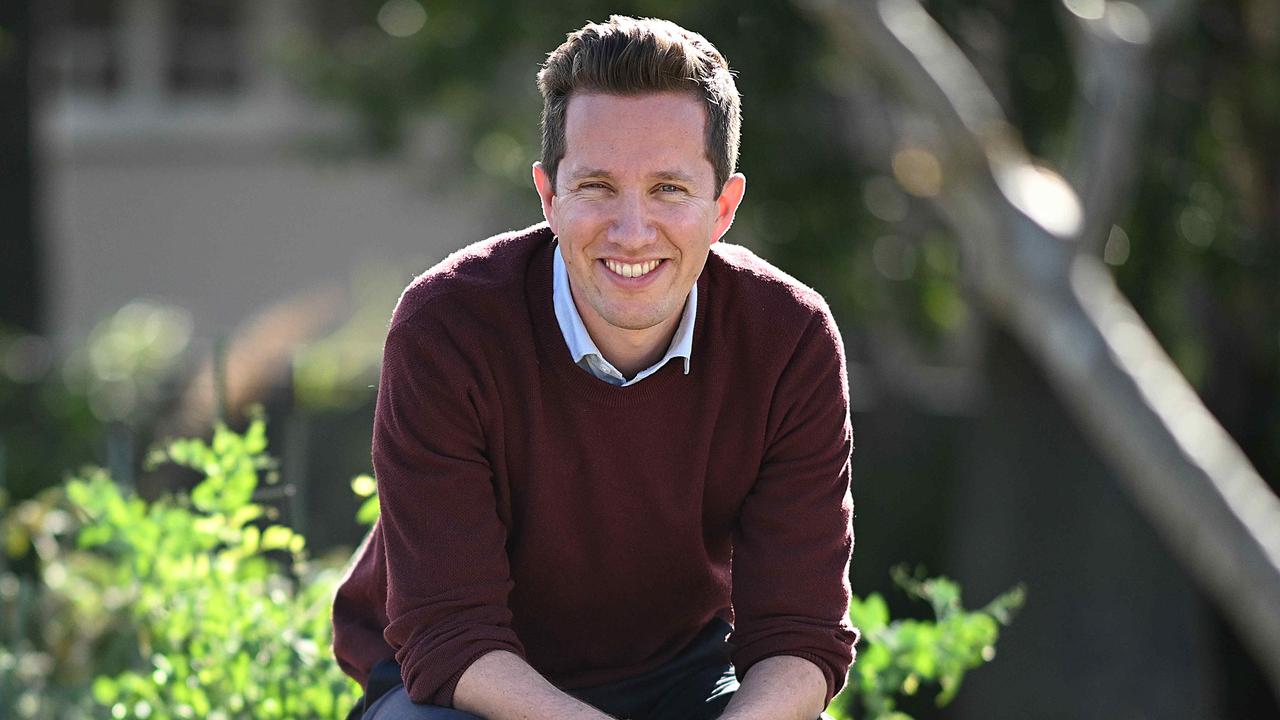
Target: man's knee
(396, 705)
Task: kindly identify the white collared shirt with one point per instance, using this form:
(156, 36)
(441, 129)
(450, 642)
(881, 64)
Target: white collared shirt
(583, 349)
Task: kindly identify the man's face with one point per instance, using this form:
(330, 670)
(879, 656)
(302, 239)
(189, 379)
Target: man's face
(635, 207)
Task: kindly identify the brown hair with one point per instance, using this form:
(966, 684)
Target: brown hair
(630, 56)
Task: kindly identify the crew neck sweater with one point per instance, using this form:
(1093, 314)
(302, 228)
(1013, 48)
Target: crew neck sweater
(593, 529)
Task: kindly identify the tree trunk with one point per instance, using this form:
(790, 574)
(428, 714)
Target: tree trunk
(21, 304)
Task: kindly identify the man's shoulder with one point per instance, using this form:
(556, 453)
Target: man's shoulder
(493, 270)
(760, 312)
(759, 284)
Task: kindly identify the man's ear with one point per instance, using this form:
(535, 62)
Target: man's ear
(727, 204)
(546, 193)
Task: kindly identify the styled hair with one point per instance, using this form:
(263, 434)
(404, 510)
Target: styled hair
(633, 56)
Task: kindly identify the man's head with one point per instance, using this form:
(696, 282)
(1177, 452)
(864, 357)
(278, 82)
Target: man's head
(629, 56)
(637, 182)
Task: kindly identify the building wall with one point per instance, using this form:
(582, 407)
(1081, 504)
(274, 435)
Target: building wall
(173, 167)
(223, 229)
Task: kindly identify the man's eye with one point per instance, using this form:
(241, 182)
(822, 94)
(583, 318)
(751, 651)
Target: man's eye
(669, 188)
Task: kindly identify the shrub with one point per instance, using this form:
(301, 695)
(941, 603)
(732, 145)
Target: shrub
(222, 613)
(898, 657)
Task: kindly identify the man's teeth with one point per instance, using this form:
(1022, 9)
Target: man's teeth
(632, 270)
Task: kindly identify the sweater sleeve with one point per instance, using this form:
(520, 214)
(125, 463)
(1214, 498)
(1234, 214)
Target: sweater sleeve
(448, 577)
(794, 536)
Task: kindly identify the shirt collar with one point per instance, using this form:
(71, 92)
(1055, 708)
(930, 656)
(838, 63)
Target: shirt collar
(579, 340)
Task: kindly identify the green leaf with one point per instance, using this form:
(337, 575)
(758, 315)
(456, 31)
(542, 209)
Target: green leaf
(950, 684)
(1004, 607)
(277, 537)
(255, 438)
(943, 594)
(179, 451)
(249, 540)
(105, 690)
(94, 536)
(368, 512)
(245, 514)
(205, 495)
(79, 493)
(870, 615)
(224, 440)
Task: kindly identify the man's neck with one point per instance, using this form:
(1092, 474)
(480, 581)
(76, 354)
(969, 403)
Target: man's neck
(630, 351)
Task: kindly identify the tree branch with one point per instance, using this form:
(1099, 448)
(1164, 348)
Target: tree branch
(1112, 47)
(1017, 223)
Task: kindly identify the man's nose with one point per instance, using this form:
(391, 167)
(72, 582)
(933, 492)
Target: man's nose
(632, 223)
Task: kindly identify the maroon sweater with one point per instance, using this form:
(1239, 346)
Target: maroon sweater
(528, 506)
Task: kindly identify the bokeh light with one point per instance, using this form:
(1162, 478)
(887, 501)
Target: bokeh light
(894, 257)
(1043, 195)
(1128, 22)
(1116, 252)
(402, 18)
(918, 171)
(884, 199)
(1086, 9)
(1196, 226)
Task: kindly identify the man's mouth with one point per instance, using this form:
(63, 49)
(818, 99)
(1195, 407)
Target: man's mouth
(632, 270)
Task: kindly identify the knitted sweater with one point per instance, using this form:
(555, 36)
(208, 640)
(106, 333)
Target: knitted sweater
(592, 529)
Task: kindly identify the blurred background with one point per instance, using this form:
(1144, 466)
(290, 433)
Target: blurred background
(206, 205)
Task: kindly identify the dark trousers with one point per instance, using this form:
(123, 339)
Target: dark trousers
(696, 685)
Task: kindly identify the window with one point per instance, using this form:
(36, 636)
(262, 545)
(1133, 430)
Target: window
(205, 53)
(83, 54)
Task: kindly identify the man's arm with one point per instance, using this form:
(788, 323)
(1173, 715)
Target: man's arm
(794, 536)
(447, 567)
(781, 687)
(448, 577)
(501, 686)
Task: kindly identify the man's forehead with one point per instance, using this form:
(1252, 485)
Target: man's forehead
(664, 133)
(676, 106)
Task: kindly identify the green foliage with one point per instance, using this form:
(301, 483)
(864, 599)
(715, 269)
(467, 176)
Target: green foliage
(61, 624)
(213, 609)
(899, 656)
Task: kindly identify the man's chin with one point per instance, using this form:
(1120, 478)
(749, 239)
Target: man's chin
(635, 325)
(635, 321)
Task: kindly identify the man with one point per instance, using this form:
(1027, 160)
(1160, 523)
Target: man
(600, 441)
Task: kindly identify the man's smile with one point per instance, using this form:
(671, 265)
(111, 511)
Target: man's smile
(631, 270)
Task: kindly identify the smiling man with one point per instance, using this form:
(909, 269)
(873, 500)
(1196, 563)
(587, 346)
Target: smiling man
(612, 452)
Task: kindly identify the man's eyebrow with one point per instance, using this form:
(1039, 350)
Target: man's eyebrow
(590, 172)
(674, 175)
